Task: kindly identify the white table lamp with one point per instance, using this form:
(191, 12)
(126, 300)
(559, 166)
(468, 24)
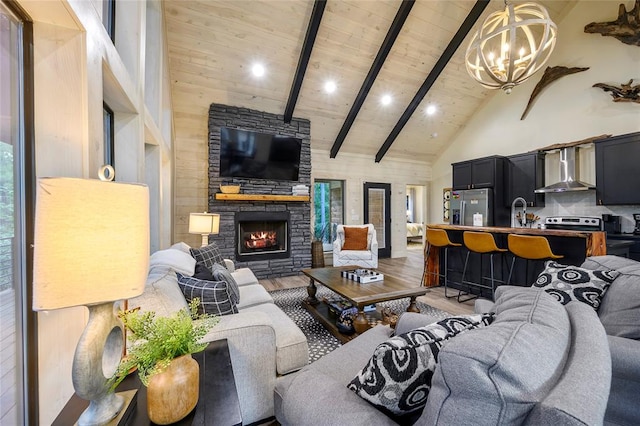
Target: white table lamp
(204, 224)
(91, 248)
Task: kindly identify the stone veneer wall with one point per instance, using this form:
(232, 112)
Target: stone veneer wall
(300, 212)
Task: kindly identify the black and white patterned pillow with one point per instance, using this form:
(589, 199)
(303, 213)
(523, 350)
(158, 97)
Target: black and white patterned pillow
(215, 297)
(220, 273)
(397, 378)
(568, 283)
(209, 255)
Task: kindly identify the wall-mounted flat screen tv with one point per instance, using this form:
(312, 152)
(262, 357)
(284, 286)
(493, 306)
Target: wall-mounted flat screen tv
(254, 155)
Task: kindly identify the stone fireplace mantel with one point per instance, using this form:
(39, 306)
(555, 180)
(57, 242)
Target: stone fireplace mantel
(262, 197)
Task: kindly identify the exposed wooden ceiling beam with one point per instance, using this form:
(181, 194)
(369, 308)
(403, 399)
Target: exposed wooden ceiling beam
(455, 42)
(305, 54)
(378, 62)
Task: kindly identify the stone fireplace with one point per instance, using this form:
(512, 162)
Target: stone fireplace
(270, 210)
(262, 236)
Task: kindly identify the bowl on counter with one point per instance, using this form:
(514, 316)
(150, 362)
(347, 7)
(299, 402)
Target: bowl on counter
(230, 189)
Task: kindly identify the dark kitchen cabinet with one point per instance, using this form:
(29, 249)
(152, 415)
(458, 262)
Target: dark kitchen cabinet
(485, 172)
(617, 161)
(634, 249)
(525, 174)
(462, 175)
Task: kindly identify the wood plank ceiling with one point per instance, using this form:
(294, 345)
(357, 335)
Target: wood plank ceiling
(213, 44)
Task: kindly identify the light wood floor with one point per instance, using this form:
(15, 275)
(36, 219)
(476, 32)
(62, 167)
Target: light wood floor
(409, 268)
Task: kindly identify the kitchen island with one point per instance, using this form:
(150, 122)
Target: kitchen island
(575, 246)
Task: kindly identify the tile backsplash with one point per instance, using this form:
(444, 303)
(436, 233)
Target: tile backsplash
(583, 203)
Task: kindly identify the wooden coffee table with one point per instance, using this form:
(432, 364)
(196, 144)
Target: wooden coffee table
(360, 295)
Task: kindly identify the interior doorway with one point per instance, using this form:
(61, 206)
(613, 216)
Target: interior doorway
(377, 211)
(416, 204)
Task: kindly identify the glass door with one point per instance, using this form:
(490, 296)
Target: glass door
(14, 230)
(377, 211)
(328, 209)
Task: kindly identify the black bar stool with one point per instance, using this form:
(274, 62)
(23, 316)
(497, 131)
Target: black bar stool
(439, 238)
(530, 248)
(481, 243)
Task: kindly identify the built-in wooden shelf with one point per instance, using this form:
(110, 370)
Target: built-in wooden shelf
(262, 197)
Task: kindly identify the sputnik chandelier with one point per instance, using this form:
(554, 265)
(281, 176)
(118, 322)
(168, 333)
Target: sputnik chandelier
(511, 46)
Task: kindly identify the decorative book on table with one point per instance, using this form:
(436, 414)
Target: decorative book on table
(363, 276)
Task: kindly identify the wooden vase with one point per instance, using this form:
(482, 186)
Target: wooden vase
(173, 394)
(317, 255)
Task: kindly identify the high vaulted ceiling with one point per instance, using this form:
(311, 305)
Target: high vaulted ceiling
(213, 43)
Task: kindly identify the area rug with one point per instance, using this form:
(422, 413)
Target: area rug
(321, 342)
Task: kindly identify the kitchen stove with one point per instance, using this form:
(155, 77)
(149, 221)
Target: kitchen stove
(574, 223)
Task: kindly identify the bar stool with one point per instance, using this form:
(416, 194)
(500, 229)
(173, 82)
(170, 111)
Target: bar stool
(440, 239)
(529, 247)
(481, 243)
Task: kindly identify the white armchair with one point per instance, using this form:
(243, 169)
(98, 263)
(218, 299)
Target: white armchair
(364, 258)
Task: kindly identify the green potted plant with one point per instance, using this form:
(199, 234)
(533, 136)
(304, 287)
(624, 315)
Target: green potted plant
(161, 353)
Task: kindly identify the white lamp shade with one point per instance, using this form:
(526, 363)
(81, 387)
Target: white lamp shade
(204, 223)
(91, 242)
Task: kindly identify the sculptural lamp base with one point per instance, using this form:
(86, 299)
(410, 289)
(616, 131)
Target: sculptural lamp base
(96, 358)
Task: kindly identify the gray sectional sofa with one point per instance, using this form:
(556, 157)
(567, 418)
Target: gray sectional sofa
(264, 342)
(538, 363)
(620, 316)
(619, 313)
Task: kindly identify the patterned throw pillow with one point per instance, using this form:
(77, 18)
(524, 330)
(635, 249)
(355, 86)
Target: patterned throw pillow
(215, 297)
(209, 255)
(220, 273)
(568, 283)
(397, 378)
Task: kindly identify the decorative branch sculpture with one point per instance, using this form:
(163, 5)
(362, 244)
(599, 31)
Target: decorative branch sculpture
(550, 75)
(624, 93)
(626, 28)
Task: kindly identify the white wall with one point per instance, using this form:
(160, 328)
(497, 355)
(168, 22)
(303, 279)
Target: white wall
(569, 109)
(76, 66)
(355, 170)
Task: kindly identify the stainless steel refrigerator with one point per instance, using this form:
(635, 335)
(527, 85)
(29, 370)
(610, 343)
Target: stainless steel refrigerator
(466, 204)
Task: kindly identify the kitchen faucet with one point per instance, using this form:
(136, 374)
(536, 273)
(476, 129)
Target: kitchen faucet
(513, 210)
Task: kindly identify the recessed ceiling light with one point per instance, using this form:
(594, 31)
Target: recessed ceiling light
(330, 86)
(385, 100)
(431, 109)
(258, 70)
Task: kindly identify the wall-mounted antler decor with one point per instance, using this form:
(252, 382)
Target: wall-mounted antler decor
(624, 93)
(550, 75)
(626, 28)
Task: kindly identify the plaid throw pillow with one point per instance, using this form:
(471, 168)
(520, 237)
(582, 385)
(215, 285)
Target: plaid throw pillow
(209, 255)
(220, 273)
(215, 297)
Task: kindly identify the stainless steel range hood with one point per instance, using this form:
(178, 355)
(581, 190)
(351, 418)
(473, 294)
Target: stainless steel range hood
(568, 174)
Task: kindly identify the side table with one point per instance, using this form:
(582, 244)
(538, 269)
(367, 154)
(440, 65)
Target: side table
(217, 405)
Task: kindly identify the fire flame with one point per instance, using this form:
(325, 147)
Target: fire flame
(261, 240)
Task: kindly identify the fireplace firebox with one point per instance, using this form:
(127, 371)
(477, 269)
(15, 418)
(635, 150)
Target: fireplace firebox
(262, 235)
